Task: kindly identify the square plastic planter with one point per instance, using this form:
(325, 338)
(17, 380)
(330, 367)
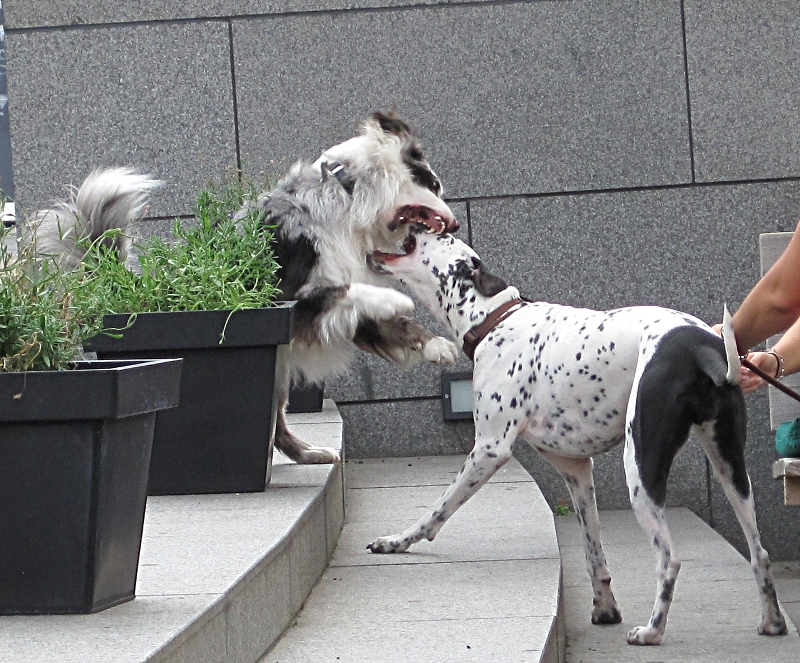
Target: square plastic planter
(75, 451)
(306, 398)
(220, 439)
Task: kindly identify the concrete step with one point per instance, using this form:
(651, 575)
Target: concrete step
(487, 589)
(220, 577)
(714, 614)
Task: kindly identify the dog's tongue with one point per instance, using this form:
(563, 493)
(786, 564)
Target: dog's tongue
(419, 214)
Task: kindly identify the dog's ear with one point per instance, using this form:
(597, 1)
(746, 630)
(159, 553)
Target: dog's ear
(487, 284)
(391, 123)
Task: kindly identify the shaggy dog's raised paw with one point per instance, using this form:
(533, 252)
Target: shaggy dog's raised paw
(379, 303)
(440, 350)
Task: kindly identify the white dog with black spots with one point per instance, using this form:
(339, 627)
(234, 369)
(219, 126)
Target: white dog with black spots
(574, 383)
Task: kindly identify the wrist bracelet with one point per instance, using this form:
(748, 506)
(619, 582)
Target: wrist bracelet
(781, 370)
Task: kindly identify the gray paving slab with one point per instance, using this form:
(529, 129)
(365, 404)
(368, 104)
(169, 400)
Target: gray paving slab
(714, 614)
(486, 589)
(156, 97)
(220, 576)
(787, 580)
(371, 429)
(743, 80)
(22, 14)
(554, 95)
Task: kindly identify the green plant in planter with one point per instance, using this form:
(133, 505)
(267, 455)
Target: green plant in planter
(207, 295)
(75, 447)
(210, 263)
(41, 326)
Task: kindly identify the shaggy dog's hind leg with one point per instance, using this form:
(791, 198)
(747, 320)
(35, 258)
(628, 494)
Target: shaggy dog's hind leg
(298, 450)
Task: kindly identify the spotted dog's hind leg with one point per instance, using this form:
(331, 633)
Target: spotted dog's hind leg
(657, 426)
(725, 451)
(577, 473)
(492, 450)
(651, 519)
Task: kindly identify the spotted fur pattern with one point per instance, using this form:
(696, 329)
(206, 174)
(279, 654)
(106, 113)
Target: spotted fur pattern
(574, 383)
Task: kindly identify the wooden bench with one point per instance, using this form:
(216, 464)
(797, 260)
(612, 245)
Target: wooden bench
(782, 407)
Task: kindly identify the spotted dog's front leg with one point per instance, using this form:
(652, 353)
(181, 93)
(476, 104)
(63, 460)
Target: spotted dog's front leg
(483, 461)
(578, 475)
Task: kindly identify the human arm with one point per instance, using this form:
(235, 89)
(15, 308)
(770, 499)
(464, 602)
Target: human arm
(774, 303)
(788, 347)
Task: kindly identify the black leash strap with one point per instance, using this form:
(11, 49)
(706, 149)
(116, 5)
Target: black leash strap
(775, 383)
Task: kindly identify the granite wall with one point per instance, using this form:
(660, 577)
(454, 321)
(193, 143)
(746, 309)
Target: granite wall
(598, 153)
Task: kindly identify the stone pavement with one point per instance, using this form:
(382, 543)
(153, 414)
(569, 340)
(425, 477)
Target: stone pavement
(714, 614)
(220, 576)
(486, 589)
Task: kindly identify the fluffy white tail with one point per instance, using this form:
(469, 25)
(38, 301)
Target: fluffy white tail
(107, 199)
(734, 375)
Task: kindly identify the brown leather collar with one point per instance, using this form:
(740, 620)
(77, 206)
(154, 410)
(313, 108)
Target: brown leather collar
(481, 331)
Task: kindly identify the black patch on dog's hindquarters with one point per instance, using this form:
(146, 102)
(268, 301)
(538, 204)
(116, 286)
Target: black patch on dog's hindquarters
(683, 384)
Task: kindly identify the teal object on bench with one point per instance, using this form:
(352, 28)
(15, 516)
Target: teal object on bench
(787, 439)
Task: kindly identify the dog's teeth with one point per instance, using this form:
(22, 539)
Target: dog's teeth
(402, 219)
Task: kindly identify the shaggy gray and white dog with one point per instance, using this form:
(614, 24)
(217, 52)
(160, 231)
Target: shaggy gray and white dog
(328, 216)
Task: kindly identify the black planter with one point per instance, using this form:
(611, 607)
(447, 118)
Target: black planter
(75, 451)
(306, 398)
(220, 439)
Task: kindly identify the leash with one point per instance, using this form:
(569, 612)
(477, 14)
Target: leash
(768, 378)
(479, 332)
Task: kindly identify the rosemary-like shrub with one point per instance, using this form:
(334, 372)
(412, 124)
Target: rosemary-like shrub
(210, 263)
(41, 326)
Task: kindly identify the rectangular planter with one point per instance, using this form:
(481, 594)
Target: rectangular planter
(220, 439)
(306, 398)
(75, 451)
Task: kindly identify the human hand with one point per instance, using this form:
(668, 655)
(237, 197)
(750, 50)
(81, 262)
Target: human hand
(767, 362)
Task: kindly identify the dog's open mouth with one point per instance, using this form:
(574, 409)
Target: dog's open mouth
(417, 219)
(421, 215)
(409, 244)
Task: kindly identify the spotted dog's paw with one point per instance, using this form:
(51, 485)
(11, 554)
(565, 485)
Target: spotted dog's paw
(644, 635)
(606, 615)
(440, 351)
(776, 626)
(389, 544)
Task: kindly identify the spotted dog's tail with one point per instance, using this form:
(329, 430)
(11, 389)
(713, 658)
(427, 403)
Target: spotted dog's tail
(734, 374)
(107, 199)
